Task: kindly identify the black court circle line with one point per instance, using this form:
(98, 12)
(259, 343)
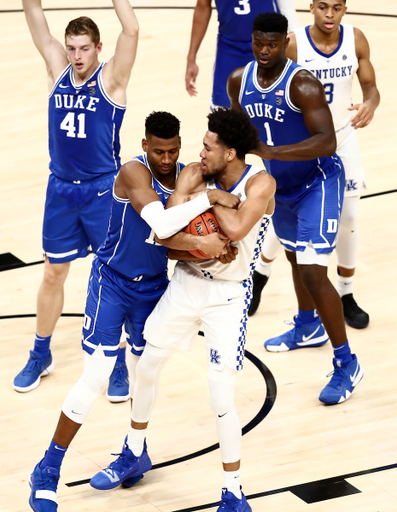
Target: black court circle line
(267, 406)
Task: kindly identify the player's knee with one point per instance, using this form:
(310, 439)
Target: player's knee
(80, 400)
(348, 222)
(55, 274)
(221, 395)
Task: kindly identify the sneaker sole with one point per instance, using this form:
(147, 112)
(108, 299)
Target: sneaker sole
(36, 383)
(355, 325)
(117, 399)
(284, 348)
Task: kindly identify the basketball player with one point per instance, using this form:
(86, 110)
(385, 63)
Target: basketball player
(334, 53)
(206, 291)
(128, 276)
(234, 48)
(86, 107)
(288, 105)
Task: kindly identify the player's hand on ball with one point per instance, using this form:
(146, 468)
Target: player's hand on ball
(217, 196)
(230, 255)
(214, 245)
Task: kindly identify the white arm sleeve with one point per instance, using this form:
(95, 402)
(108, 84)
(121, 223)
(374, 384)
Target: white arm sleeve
(287, 8)
(166, 223)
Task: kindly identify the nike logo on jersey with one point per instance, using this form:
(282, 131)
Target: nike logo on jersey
(308, 186)
(309, 60)
(103, 193)
(63, 86)
(307, 338)
(247, 93)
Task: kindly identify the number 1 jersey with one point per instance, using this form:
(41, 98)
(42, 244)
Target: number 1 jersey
(83, 128)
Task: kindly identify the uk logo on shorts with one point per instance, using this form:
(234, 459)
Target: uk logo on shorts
(215, 357)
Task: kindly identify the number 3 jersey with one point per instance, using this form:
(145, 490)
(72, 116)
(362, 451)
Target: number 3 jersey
(281, 123)
(335, 70)
(84, 125)
(130, 248)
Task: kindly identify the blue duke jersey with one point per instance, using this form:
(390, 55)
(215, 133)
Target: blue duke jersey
(280, 123)
(335, 70)
(83, 126)
(249, 247)
(235, 18)
(130, 248)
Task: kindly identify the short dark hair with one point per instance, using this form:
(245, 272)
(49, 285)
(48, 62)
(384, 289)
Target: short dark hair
(271, 22)
(234, 130)
(83, 26)
(162, 124)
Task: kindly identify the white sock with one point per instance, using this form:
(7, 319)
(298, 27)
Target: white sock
(231, 480)
(263, 268)
(344, 285)
(135, 440)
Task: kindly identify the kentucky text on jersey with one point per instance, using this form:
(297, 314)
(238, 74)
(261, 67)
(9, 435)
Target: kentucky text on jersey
(326, 74)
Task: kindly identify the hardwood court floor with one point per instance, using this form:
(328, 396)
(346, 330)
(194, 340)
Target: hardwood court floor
(299, 442)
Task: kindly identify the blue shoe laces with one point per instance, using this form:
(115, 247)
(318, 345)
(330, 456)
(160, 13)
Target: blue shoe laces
(118, 377)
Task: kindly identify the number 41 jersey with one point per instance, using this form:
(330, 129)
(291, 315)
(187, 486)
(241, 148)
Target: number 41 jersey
(83, 128)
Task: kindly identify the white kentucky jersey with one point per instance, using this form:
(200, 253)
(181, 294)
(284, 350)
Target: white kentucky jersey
(249, 248)
(335, 70)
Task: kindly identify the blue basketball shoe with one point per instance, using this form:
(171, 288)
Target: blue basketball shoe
(124, 470)
(230, 503)
(302, 335)
(44, 482)
(29, 377)
(343, 382)
(119, 384)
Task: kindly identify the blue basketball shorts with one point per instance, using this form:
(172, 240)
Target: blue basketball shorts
(311, 214)
(113, 301)
(228, 58)
(76, 217)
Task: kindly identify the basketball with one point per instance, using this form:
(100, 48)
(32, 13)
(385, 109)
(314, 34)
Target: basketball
(203, 225)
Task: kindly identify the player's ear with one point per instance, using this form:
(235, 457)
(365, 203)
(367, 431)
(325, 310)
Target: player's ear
(231, 154)
(180, 142)
(311, 8)
(144, 145)
(99, 48)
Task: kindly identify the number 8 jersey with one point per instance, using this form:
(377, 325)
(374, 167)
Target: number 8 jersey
(335, 70)
(83, 127)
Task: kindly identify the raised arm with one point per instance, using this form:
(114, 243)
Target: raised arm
(366, 76)
(117, 71)
(201, 19)
(49, 48)
(288, 9)
(237, 223)
(307, 93)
